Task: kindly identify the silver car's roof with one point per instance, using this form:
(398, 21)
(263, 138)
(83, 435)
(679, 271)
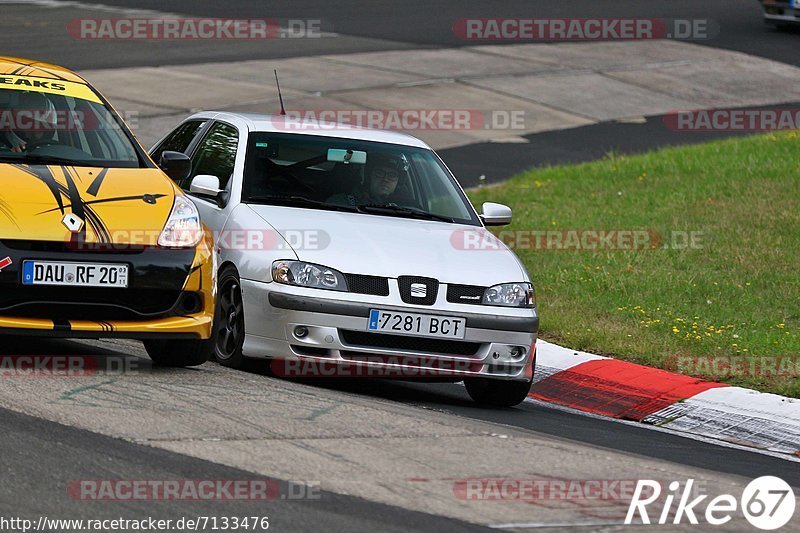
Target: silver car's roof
(272, 124)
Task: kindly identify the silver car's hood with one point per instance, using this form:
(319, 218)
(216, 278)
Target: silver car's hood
(392, 246)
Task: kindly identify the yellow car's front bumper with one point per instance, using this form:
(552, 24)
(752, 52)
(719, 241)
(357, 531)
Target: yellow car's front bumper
(182, 282)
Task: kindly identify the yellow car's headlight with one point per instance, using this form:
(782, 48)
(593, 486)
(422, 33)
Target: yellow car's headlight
(183, 228)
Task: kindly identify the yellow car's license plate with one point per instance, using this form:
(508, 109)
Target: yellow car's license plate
(76, 274)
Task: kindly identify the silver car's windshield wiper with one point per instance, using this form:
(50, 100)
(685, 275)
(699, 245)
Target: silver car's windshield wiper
(300, 201)
(401, 210)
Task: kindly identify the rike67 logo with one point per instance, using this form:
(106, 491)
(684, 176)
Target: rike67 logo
(767, 503)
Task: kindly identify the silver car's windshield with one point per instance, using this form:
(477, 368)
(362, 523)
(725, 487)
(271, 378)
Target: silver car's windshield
(352, 175)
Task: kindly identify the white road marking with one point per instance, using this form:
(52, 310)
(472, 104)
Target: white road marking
(692, 436)
(53, 4)
(127, 11)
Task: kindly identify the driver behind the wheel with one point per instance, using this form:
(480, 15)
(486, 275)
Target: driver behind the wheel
(34, 122)
(382, 175)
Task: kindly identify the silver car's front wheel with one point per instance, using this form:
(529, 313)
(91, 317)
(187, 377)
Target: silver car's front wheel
(229, 322)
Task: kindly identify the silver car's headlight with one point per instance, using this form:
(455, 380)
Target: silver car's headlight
(183, 228)
(308, 275)
(510, 295)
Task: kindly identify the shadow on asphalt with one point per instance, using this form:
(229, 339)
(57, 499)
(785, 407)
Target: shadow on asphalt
(419, 392)
(453, 399)
(637, 439)
(14, 345)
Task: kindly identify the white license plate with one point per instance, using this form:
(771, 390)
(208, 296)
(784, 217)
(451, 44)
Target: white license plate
(74, 274)
(414, 324)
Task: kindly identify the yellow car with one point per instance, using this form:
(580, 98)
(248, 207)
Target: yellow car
(95, 240)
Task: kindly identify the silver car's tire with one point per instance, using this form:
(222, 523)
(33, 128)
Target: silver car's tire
(229, 320)
(497, 393)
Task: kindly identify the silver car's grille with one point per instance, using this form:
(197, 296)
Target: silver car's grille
(407, 343)
(362, 284)
(418, 290)
(465, 294)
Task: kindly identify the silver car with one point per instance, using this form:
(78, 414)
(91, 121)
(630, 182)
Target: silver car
(354, 252)
(781, 13)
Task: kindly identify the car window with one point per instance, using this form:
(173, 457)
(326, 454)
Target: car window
(75, 127)
(437, 194)
(216, 154)
(179, 140)
(308, 170)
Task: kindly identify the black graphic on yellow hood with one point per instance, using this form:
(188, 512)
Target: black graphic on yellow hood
(118, 205)
(5, 211)
(94, 188)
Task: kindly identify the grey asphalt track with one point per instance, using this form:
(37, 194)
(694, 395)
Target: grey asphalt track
(368, 26)
(40, 457)
(29, 30)
(498, 161)
(375, 25)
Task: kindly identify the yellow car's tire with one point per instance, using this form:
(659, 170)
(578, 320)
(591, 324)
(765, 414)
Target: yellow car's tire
(179, 352)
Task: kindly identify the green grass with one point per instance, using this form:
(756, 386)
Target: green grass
(736, 295)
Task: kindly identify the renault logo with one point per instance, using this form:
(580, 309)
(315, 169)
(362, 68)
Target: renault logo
(419, 290)
(72, 222)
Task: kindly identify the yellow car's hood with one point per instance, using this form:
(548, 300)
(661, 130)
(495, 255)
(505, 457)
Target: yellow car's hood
(102, 205)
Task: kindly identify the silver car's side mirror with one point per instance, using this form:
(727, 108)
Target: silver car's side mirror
(496, 214)
(205, 185)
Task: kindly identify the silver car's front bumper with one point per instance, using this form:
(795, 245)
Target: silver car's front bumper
(498, 343)
(781, 12)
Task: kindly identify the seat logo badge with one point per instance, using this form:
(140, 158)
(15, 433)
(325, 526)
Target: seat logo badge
(5, 263)
(419, 290)
(72, 222)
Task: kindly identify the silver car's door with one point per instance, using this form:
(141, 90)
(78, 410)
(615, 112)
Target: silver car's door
(216, 154)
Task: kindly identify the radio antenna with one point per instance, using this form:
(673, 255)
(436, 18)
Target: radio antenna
(280, 96)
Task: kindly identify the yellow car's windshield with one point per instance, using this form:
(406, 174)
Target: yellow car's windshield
(60, 122)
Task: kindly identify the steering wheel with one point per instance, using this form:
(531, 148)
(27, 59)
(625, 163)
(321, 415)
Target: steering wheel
(289, 175)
